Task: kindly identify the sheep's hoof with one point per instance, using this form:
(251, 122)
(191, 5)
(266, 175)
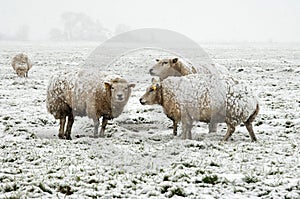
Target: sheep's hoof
(61, 136)
(96, 136)
(68, 138)
(101, 134)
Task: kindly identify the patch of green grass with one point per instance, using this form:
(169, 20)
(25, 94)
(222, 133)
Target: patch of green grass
(93, 181)
(10, 188)
(183, 175)
(111, 186)
(65, 189)
(6, 118)
(166, 178)
(165, 189)
(43, 121)
(150, 174)
(235, 190)
(250, 179)
(210, 179)
(200, 172)
(188, 165)
(44, 189)
(178, 192)
(265, 193)
(275, 172)
(213, 164)
(134, 181)
(77, 178)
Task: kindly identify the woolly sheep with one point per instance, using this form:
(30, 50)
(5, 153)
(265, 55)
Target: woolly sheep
(21, 64)
(170, 67)
(83, 93)
(189, 98)
(173, 67)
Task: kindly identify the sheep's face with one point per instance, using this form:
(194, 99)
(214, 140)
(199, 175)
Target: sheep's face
(23, 58)
(164, 68)
(21, 71)
(20, 64)
(119, 89)
(152, 95)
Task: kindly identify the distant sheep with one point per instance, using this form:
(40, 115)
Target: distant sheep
(21, 64)
(190, 98)
(86, 94)
(173, 67)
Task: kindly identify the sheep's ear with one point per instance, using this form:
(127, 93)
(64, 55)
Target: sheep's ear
(174, 60)
(107, 85)
(157, 60)
(154, 80)
(131, 85)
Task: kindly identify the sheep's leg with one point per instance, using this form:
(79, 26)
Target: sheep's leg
(175, 125)
(69, 126)
(190, 132)
(96, 127)
(212, 127)
(187, 129)
(103, 125)
(249, 126)
(251, 132)
(61, 133)
(230, 130)
(26, 74)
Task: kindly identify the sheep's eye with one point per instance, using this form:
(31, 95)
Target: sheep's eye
(151, 90)
(112, 88)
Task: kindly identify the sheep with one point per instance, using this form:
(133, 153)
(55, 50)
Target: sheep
(190, 98)
(21, 64)
(82, 93)
(170, 67)
(174, 67)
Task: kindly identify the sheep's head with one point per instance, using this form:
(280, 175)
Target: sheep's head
(153, 94)
(21, 71)
(119, 90)
(165, 68)
(21, 64)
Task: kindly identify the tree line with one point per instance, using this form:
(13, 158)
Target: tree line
(75, 27)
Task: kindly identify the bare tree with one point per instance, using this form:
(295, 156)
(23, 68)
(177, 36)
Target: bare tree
(79, 26)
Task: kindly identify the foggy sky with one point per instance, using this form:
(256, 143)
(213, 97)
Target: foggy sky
(214, 20)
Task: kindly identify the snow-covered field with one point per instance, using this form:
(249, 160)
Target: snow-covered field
(139, 157)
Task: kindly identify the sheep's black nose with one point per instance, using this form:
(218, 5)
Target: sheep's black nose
(120, 97)
(141, 101)
(151, 71)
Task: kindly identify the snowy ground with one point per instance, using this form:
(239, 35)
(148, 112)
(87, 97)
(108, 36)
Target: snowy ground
(139, 157)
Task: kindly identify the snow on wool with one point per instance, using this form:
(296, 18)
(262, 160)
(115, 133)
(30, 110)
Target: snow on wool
(174, 67)
(197, 97)
(21, 64)
(86, 93)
